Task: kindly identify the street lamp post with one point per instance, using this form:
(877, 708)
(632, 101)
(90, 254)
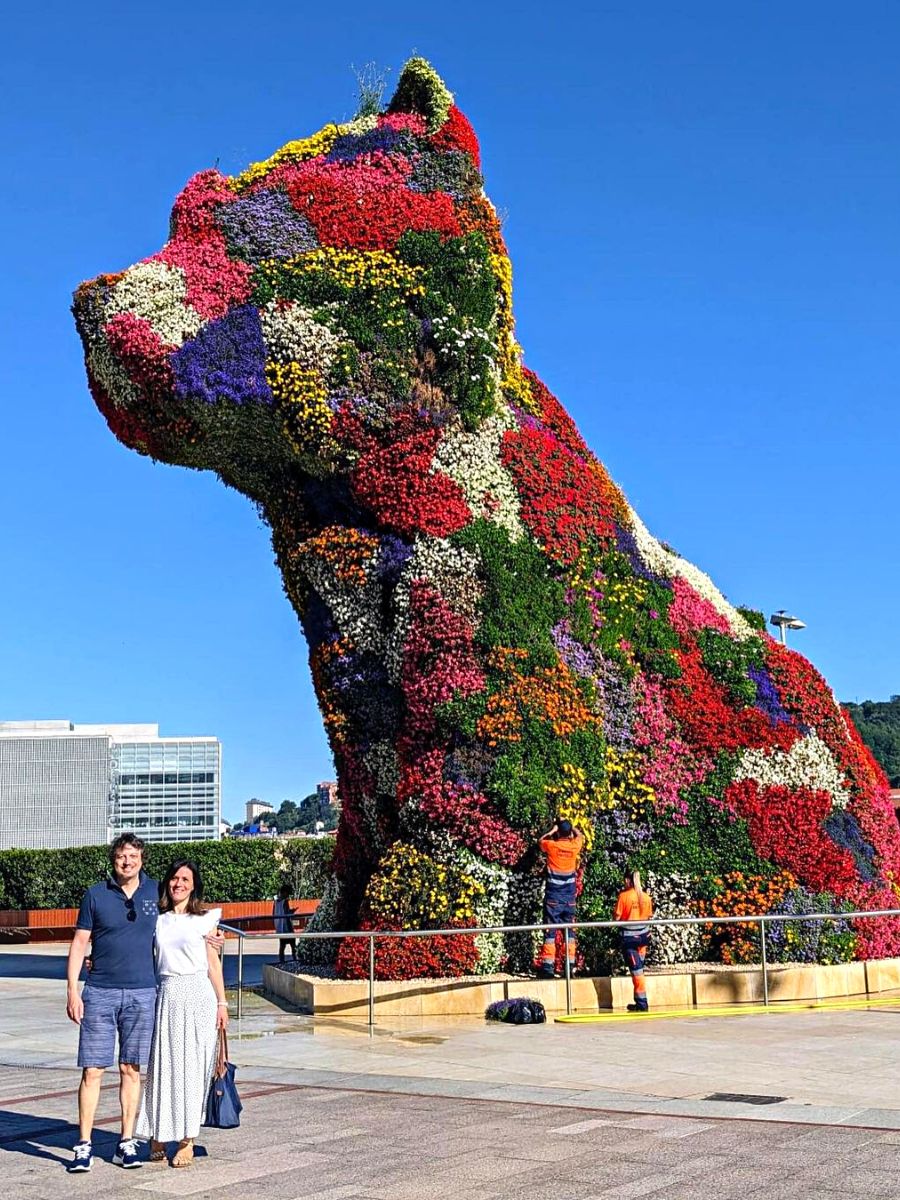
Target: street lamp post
(785, 621)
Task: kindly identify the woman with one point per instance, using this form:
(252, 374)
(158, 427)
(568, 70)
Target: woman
(634, 904)
(190, 1010)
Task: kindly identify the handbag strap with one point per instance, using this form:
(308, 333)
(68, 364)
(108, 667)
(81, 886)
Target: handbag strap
(222, 1054)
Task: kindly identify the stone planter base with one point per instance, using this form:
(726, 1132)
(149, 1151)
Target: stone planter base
(471, 996)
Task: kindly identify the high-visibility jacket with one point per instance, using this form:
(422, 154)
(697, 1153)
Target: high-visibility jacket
(563, 856)
(633, 907)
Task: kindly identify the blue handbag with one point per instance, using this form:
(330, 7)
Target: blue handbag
(223, 1104)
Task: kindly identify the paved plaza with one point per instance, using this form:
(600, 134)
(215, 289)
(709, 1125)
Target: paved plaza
(460, 1108)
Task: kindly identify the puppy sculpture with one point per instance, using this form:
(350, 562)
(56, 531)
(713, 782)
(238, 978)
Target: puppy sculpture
(495, 638)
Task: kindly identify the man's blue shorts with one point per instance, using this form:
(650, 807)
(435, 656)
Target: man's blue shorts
(126, 1012)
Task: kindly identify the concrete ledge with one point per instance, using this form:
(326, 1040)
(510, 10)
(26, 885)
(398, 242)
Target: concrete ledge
(471, 996)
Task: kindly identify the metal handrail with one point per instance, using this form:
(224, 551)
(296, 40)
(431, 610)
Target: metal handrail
(760, 919)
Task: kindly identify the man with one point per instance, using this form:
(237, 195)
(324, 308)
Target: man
(118, 919)
(562, 846)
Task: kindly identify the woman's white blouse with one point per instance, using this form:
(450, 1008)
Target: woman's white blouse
(181, 942)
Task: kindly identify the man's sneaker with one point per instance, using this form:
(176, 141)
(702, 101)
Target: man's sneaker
(83, 1157)
(126, 1154)
(637, 1008)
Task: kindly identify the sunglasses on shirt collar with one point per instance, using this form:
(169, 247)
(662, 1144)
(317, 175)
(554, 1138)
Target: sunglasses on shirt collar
(130, 910)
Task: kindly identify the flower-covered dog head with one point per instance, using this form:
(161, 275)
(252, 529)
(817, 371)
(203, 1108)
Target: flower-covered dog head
(352, 285)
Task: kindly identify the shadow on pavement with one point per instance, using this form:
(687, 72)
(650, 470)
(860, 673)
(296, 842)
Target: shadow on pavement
(19, 1130)
(32, 966)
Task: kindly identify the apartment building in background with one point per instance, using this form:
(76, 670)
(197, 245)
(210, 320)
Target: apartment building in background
(64, 784)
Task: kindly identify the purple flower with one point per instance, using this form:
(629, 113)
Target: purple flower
(384, 139)
(265, 225)
(576, 656)
(619, 836)
(843, 829)
(767, 697)
(618, 704)
(392, 557)
(628, 546)
(225, 362)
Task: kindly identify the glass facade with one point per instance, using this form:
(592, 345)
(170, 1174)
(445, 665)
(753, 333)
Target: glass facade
(54, 791)
(167, 789)
(78, 785)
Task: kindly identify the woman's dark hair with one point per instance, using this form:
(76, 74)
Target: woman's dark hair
(284, 892)
(195, 904)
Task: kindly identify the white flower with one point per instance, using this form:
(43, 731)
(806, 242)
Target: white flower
(808, 764)
(473, 460)
(670, 565)
(157, 293)
(672, 897)
(292, 334)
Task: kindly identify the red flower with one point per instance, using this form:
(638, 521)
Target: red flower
(457, 134)
(397, 484)
(786, 825)
(708, 718)
(215, 281)
(364, 205)
(565, 498)
(438, 659)
(445, 956)
(461, 809)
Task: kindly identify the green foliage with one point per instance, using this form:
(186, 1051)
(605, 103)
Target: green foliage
(421, 90)
(729, 660)
(49, 878)
(370, 82)
(635, 611)
(712, 843)
(306, 866)
(458, 274)
(522, 601)
(460, 301)
(236, 869)
(878, 722)
(303, 816)
(754, 618)
(523, 770)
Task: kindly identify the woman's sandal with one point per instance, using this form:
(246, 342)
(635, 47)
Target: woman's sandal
(184, 1155)
(157, 1152)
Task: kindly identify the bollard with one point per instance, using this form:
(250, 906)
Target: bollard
(371, 982)
(765, 970)
(240, 979)
(568, 973)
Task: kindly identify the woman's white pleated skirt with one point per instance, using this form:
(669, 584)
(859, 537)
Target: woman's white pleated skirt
(182, 1059)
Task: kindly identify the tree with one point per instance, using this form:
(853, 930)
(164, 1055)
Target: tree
(878, 722)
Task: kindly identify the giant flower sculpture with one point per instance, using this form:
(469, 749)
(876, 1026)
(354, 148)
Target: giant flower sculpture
(494, 636)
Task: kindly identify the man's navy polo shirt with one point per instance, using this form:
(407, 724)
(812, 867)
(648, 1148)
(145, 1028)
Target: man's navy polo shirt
(121, 949)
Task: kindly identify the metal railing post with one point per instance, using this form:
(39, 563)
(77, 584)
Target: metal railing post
(568, 973)
(765, 967)
(371, 982)
(240, 981)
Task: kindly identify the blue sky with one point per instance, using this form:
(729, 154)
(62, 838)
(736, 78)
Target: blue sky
(702, 211)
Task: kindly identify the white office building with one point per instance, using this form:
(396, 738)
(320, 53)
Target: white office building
(63, 784)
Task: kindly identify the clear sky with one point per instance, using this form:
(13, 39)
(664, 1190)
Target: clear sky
(702, 211)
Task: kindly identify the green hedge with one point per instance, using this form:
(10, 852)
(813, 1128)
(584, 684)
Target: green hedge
(234, 869)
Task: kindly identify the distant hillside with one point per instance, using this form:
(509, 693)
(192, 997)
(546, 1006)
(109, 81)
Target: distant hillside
(878, 721)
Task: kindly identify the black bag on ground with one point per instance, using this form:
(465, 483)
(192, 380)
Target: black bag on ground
(520, 1011)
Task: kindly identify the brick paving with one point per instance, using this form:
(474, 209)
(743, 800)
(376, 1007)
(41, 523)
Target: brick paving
(326, 1143)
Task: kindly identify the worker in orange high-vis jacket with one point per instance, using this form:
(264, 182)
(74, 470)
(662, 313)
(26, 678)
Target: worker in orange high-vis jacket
(634, 904)
(562, 846)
